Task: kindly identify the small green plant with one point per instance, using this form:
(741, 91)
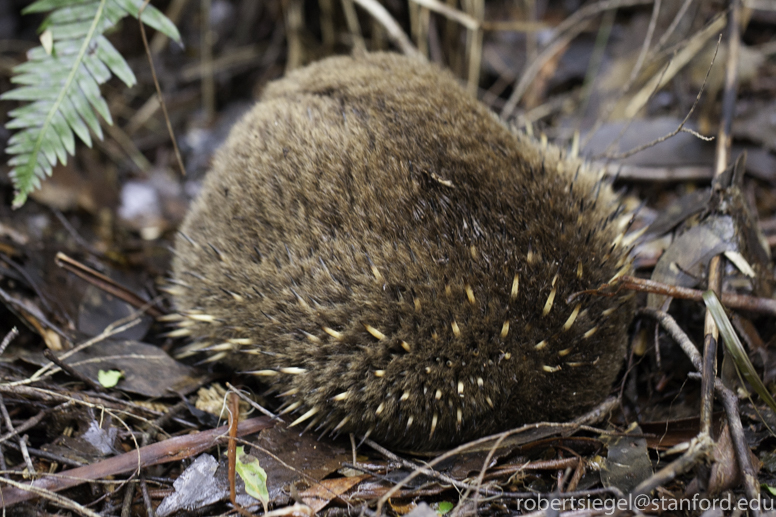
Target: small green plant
(109, 378)
(735, 348)
(60, 82)
(254, 477)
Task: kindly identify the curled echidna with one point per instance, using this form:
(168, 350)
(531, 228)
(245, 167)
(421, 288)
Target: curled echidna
(394, 261)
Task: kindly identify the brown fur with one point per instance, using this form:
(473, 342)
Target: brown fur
(371, 195)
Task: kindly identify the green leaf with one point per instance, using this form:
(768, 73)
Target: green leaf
(70, 14)
(111, 57)
(736, 349)
(61, 83)
(109, 378)
(97, 68)
(64, 133)
(82, 107)
(771, 490)
(75, 121)
(29, 93)
(41, 6)
(52, 147)
(91, 90)
(253, 476)
(151, 17)
(443, 507)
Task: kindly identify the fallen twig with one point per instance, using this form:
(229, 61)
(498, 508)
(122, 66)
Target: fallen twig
(174, 449)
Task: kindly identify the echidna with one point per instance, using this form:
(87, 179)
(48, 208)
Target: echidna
(395, 262)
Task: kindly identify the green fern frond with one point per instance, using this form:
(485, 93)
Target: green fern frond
(61, 81)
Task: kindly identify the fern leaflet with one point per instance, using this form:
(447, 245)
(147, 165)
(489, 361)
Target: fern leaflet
(61, 82)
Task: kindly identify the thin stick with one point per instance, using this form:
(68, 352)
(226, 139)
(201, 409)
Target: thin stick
(208, 82)
(234, 418)
(327, 24)
(681, 127)
(683, 55)
(481, 475)
(351, 17)
(428, 471)
(591, 10)
(8, 339)
(465, 19)
(531, 39)
(57, 499)
(14, 431)
(474, 48)
(731, 88)
(146, 498)
(677, 334)
(728, 398)
(294, 21)
(72, 372)
(422, 30)
(636, 68)
(730, 300)
(106, 284)
(711, 337)
(171, 450)
(674, 24)
(531, 71)
(577, 424)
(251, 402)
(159, 88)
(129, 495)
(743, 455)
(566, 31)
(699, 449)
(710, 341)
(395, 33)
(711, 332)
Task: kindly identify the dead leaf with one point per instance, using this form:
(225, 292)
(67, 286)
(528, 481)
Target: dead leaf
(627, 462)
(289, 458)
(148, 370)
(322, 493)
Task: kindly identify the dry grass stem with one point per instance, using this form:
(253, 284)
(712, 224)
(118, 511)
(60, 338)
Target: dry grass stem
(395, 33)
